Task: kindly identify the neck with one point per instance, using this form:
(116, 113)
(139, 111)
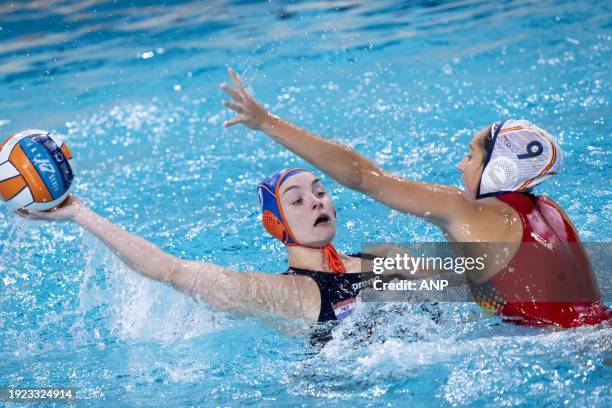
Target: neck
(307, 258)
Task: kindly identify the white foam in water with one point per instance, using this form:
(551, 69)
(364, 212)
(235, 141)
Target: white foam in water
(189, 372)
(473, 363)
(139, 309)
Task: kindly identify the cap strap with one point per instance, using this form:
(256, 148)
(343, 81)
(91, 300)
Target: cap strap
(333, 259)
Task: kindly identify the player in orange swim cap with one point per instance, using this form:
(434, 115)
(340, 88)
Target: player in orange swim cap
(320, 285)
(273, 218)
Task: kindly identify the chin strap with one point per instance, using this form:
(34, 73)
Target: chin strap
(333, 259)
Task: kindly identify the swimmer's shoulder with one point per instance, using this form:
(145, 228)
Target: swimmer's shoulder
(307, 292)
(488, 220)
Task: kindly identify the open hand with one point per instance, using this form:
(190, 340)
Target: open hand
(248, 111)
(63, 212)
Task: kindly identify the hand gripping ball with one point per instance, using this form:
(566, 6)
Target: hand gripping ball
(36, 170)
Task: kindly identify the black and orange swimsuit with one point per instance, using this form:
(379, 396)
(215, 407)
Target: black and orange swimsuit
(339, 291)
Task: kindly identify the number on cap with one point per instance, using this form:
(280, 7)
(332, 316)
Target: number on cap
(534, 149)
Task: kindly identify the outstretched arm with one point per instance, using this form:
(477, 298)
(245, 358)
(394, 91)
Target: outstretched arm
(253, 293)
(435, 202)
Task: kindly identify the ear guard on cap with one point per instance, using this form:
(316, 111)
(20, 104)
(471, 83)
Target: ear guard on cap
(271, 211)
(270, 216)
(500, 172)
(273, 225)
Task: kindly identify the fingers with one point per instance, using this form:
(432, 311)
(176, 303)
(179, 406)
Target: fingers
(238, 94)
(30, 214)
(40, 214)
(232, 121)
(235, 79)
(233, 106)
(22, 213)
(235, 95)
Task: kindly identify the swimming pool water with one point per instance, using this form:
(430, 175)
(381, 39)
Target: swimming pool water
(133, 89)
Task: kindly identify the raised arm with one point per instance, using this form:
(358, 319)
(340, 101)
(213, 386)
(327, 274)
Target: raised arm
(435, 202)
(253, 293)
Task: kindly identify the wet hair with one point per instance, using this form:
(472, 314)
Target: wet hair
(486, 143)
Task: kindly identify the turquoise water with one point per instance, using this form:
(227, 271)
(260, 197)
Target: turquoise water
(134, 92)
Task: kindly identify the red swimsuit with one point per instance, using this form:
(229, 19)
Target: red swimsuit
(549, 281)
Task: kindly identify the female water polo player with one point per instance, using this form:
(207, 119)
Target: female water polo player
(550, 285)
(320, 285)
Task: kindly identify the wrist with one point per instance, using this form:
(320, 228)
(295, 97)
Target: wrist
(80, 214)
(269, 122)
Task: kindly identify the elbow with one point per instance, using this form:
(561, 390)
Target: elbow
(364, 177)
(355, 180)
(175, 270)
(356, 166)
